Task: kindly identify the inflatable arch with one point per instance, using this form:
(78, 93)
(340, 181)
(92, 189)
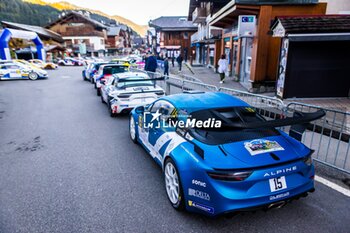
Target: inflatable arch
(7, 34)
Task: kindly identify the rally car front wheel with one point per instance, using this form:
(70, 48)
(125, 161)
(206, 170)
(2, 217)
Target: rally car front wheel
(132, 129)
(173, 185)
(33, 76)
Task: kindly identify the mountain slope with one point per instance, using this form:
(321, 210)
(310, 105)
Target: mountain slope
(20, 12)
(67, 6)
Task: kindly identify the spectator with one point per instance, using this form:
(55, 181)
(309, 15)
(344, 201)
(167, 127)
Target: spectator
(173, 60)
(222, 67)
(166, 67)
(151, 63)
(179, 60)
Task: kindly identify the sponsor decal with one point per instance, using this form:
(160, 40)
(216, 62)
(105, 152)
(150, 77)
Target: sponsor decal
(201, 207)
(260, 146)
(281, 171)
(199, 194)
(199, 183)
(278, 196)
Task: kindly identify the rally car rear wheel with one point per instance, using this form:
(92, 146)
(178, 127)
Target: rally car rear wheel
(33, 76)
(173, 185)
(132, 129)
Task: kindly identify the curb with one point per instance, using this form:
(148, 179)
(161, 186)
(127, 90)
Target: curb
(189, 67)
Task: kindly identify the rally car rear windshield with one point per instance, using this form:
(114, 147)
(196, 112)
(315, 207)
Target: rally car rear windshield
(226, 133)
(114, 70)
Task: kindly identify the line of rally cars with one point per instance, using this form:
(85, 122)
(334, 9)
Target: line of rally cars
(243, 164)
(119, 88)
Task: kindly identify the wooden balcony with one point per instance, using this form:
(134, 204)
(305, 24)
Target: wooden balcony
(74, 31)
(199, 15)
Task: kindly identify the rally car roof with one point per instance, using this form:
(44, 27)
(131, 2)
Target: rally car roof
(204, 100)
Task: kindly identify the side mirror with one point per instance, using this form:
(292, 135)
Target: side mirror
(103, 82)
(140, 109)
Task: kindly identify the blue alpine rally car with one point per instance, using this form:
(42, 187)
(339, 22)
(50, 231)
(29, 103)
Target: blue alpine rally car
(219, 155)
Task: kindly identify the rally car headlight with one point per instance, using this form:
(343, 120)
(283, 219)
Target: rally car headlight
(230, 176)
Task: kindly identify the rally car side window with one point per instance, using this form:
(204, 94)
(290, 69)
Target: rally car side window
(166, 109)
(157, 105)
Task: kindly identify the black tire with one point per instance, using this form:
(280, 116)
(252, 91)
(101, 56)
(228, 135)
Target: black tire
(84, 76)
(33, 76)
(95, 85)
(180, 203)
(92, 80)
(133, 135)
(102, 100)
(98, 92)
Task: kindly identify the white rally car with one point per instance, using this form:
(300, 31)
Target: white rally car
(124, 91)
(16, 70)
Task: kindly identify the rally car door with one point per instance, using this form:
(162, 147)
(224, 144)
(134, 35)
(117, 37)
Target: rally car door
(161, 134)
(107, 88)
(14, 71)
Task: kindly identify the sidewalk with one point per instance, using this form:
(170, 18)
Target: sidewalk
(206, 75)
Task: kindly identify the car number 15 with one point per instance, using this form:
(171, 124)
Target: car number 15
(278, 183)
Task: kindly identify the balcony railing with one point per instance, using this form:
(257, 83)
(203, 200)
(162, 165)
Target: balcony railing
(81, 32)
(205, 33)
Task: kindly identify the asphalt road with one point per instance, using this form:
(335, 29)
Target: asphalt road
(67, 166)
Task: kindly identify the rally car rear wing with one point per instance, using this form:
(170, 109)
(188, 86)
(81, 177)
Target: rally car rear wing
(297, 119)
(125, 80)
(298, 123)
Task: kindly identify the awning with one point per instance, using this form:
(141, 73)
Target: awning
(229, 14)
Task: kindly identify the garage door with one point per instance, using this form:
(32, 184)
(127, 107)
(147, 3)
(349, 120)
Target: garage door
(318, 69)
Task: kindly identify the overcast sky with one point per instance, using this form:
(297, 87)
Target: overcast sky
(138, 11)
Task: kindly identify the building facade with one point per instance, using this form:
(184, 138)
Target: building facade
(206, 42)
(119, 39)
(252, 53)
(81, 34)
(337, 6)
(171, 35)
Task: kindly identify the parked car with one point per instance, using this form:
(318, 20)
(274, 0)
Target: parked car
(123, 91)
(91, 69)
(219, 155)
(5, 61)
(18, 71)
(43, 65)
(121, 61)
(26, 63)
(107, 70)
(68, 61)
